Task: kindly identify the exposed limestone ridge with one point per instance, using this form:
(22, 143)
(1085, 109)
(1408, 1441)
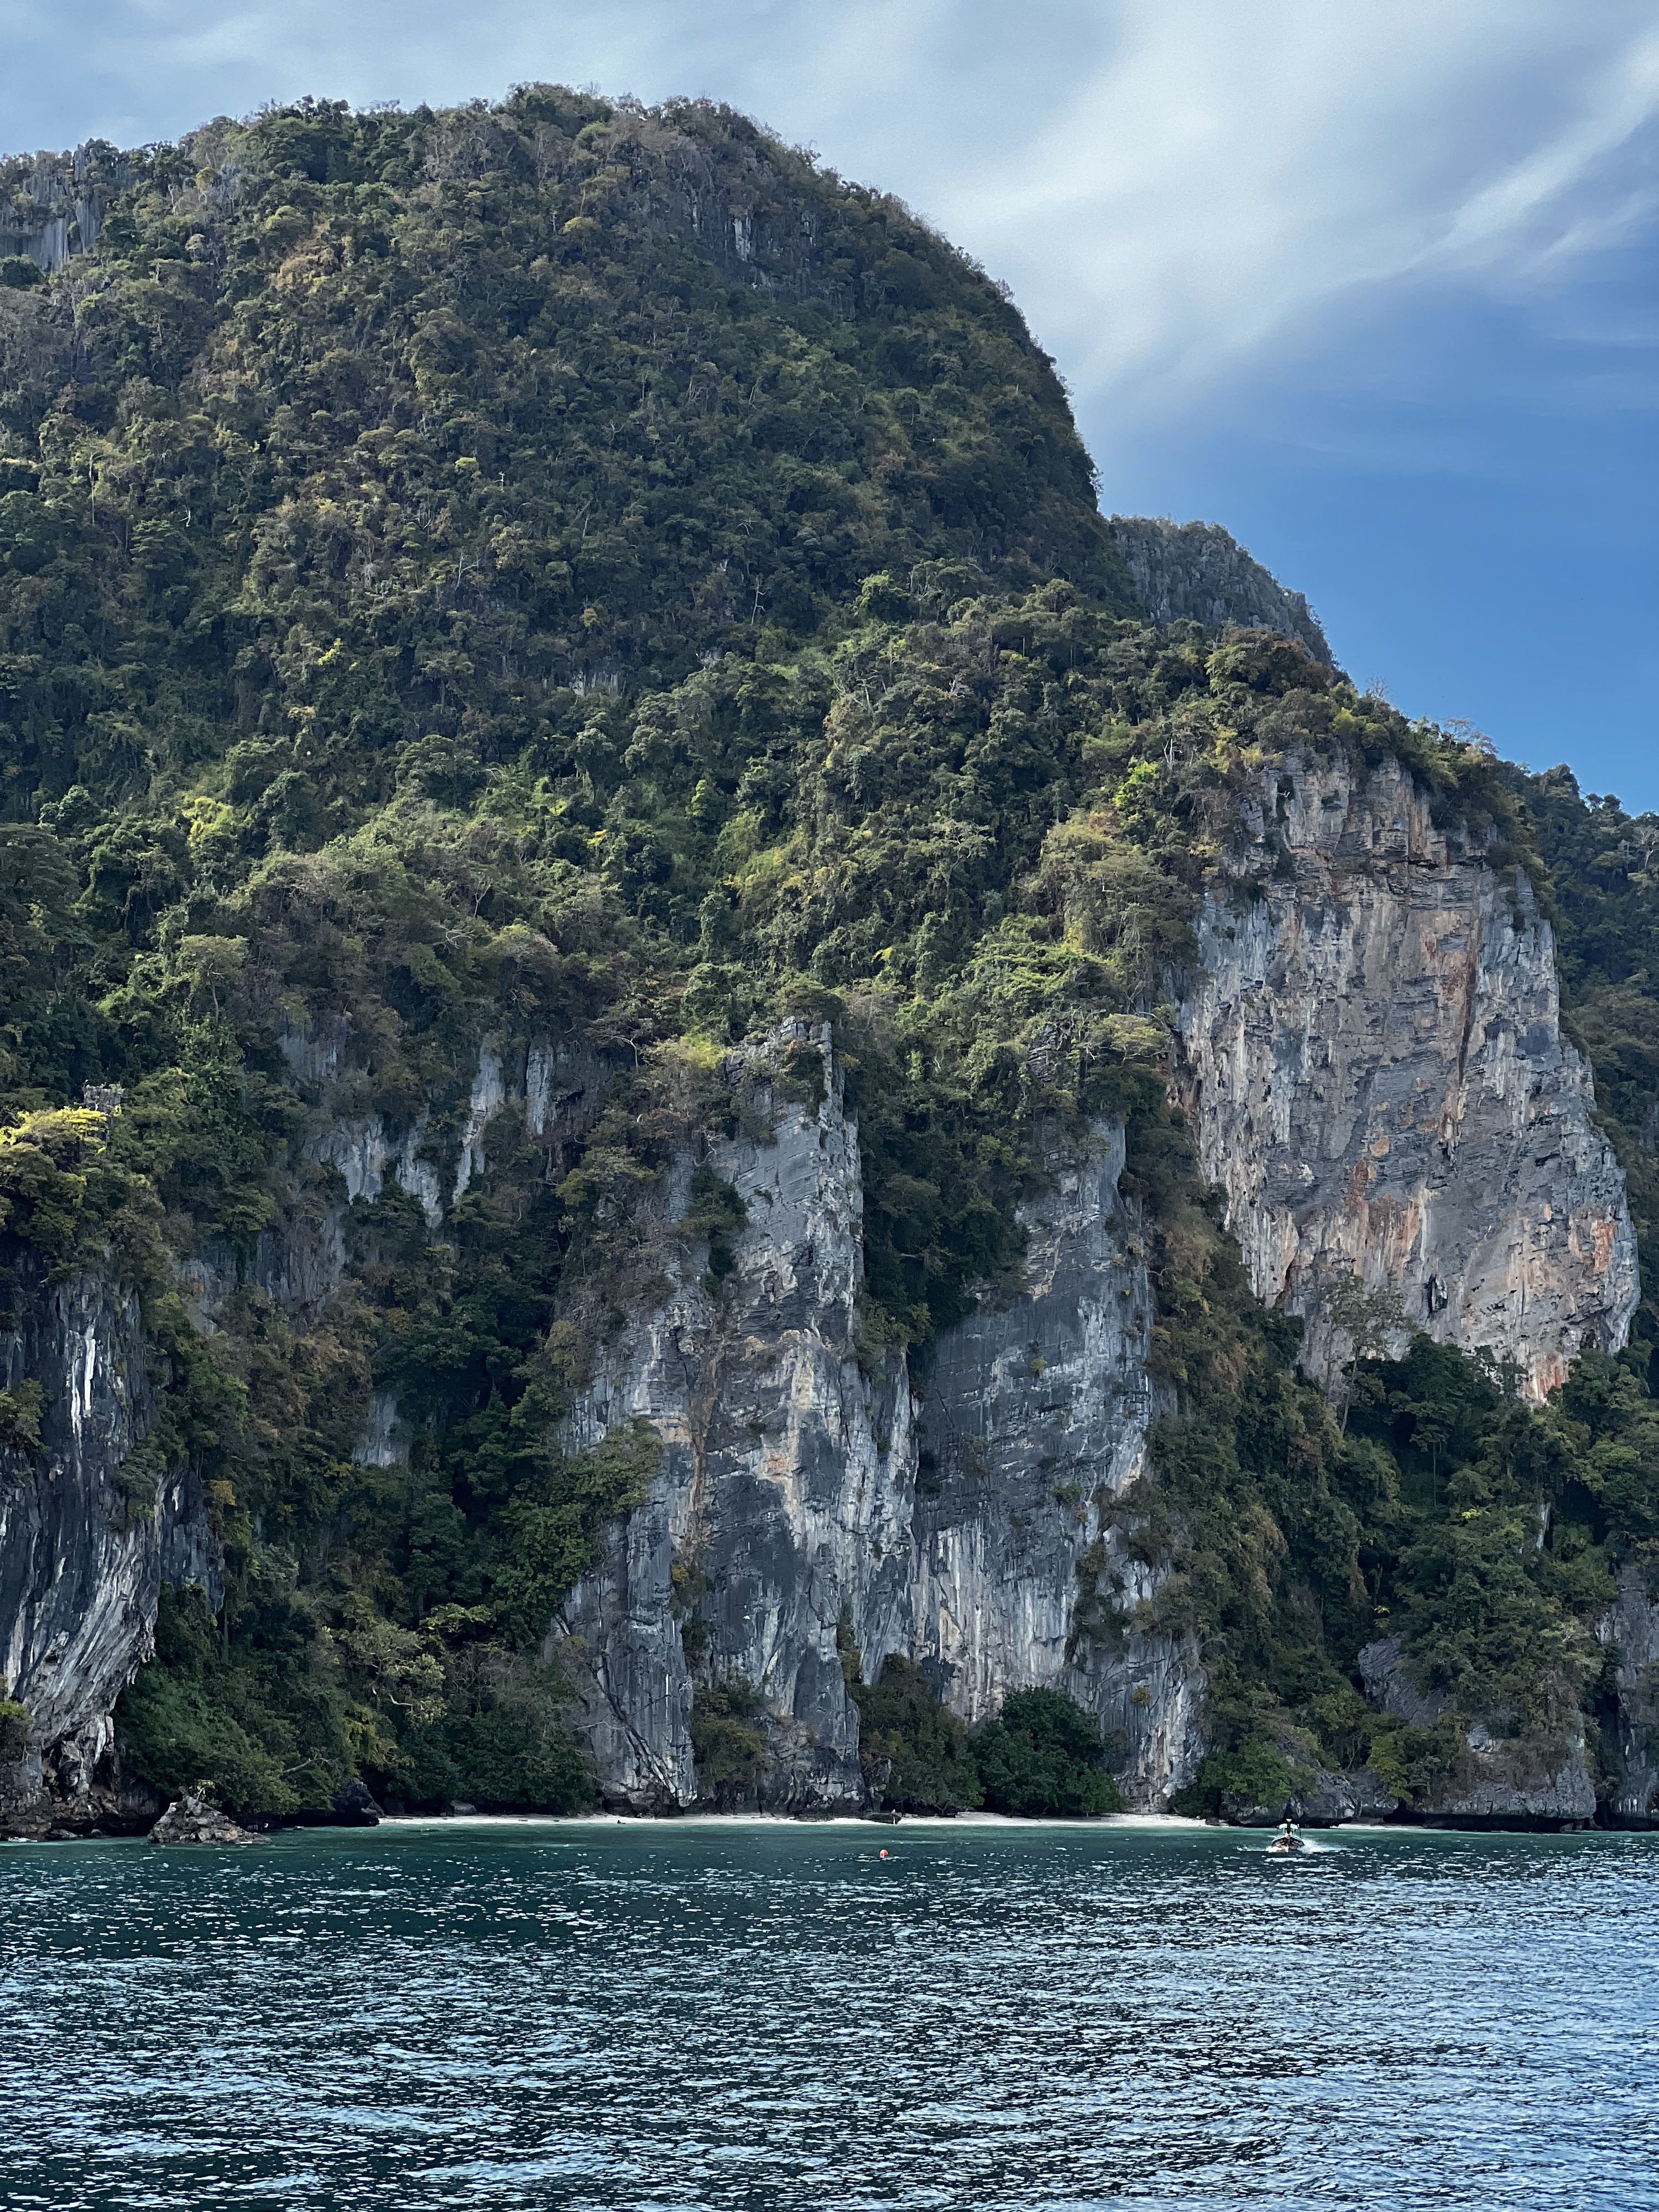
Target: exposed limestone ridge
(56, 206)
(1372, 1061)
(796, 1496)
(1196, 572)
(553, 1084)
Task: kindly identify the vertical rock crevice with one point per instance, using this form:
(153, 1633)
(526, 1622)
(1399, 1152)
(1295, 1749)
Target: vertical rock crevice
(1033, 1428)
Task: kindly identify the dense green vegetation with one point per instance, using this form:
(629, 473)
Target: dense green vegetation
(448, 592)
(375, 434)
(928, 1761)
(1603, 895)
(1043, 1757)
(1483, 1533)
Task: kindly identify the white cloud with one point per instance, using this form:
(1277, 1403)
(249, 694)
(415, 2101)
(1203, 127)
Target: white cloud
(1230, 172)
(1613, 108)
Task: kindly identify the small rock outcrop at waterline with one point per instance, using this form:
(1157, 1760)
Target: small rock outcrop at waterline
(193, 1821)
(354, 1806)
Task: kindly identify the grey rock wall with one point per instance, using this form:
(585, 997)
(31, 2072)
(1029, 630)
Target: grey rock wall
(1033, 1426)
(1629, 1727)
(59, 209)
(970, 1516)
(796, 1492)
(785, 1489)
(1373, 1064)
(83, 1555)
(1195, 572)
(1503, 1780)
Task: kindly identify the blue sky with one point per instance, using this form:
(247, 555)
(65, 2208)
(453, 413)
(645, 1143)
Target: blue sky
(1369, 281)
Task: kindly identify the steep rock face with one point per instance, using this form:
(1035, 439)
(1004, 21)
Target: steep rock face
(1373, 1064)
(56, 208)
(796, 1495)
(1195, 572)
(83, 1554)
(1537, 1779)
(85, 1540)
(784, 1492)
(551, 1088)
(190, 1820)
(1629, 1729)
(1033, 1424)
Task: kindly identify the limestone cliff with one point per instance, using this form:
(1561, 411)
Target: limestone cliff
(56, 206)
(1034, 1424)
(375, 937)
(1372, 1061)
(1538, 1778)
(1630, 1718)
(1195, 572)
(961, 1520)
(85, 1544)
(88, 1532)
(782, 1505)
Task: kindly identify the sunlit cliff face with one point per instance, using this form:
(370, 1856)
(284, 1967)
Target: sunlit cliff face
(1373, 1066)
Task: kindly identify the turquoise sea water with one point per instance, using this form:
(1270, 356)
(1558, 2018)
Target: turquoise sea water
(654, 2016)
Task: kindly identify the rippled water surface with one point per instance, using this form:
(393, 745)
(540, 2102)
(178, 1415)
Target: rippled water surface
(716, 2014)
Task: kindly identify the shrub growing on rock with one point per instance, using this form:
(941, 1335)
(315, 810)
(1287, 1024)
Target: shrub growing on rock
(14, 1726)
